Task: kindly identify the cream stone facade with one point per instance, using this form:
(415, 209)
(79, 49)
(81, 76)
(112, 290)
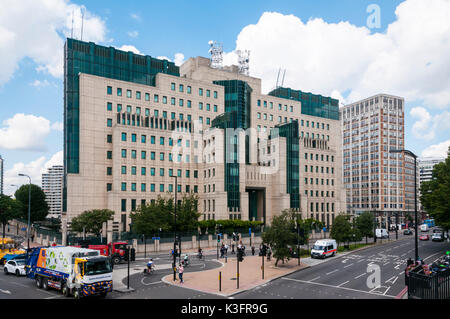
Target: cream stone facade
(130, 144)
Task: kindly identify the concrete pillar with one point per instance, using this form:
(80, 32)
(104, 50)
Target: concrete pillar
(156, 246)
(194, 242)
(210, 244)
(109, 231)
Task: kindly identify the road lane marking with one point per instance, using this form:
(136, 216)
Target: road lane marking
(390, 279)
(5, 291)
(349, 265)
(315, 278)
(432, 255)
(342, 283)
(325, 285)
(360, 275)
(332, 271)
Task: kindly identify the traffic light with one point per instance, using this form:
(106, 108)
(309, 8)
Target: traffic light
(218, 238)
(263, 250)
(240, 254)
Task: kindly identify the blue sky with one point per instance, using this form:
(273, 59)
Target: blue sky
(34, 85)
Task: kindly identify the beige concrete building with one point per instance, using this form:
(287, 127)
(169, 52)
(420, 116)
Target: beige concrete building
(374, 179)
(247, 155)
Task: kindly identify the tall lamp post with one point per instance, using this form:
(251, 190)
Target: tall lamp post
(415, 198)
(29, 210)
(175, 238)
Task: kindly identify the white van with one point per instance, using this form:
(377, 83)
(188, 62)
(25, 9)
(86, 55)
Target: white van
(423, 227)
(324, 248)
(381, 233)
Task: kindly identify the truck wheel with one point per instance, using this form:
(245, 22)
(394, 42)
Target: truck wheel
(116, 260)
(65, 291)
(38, 282)
(77, 293)
(103, 294)
(45, 284)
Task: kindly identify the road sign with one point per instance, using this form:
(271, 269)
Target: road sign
(156, 238)
(249, 231)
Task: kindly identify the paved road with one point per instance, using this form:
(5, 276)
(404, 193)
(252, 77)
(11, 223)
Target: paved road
(337, 277)
(347, 277)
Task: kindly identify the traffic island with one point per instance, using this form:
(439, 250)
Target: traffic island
(229, 283)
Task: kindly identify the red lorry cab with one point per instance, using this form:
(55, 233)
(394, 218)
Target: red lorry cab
(114, 250)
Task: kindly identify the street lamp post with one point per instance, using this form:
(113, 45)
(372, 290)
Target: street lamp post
(29, 210)
(175, 238)
(415, 199)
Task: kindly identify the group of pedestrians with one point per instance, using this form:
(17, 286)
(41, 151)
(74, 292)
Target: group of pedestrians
(223, 250)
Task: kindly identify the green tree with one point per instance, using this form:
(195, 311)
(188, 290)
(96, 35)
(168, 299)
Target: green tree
(160, 214)
(91, 221)
(9, 209)
(149, 218)
(435, 194)
(341, 230)
(364, 223)
(280, 235)
(187, 213)
(39, 207)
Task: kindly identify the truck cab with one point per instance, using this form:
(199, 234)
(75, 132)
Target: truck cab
(92, 275)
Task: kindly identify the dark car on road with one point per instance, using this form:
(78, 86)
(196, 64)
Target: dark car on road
(407, 232)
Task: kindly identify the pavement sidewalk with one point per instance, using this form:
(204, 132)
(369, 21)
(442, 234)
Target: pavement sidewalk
(250, 275)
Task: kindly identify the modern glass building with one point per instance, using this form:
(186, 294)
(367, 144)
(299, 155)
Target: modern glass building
(132, 122)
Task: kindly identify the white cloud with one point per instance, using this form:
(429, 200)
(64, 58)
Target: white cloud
(133, 34)
(437, 150)
(58, 126)
(179, 59)
(131, 48)
(409, 59)
(135, 16)
(34, 169)
(39, 84)
(426, 126)
(24, 132)
(37, 29)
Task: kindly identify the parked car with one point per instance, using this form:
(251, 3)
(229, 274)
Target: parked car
(15, 266)
(424, 237)
(7, 257)
(437, 237)
(407, 232)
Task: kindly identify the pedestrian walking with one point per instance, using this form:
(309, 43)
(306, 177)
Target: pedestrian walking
(253, 250)
(269, 252)
(226, 249)
(180, 272)
(232, 249)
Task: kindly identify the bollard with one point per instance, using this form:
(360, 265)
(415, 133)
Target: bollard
(226, 258)
(220, 281)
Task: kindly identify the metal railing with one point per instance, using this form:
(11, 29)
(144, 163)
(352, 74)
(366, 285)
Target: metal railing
(433, 286)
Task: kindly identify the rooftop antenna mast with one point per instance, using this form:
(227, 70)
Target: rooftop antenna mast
(278, 77)
(282, 81)
(243, 61)
(82, 21)
(71, 33)
(216, 51)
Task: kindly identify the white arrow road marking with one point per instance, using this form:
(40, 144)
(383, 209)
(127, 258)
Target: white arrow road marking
(344, 261)
(5, 291)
